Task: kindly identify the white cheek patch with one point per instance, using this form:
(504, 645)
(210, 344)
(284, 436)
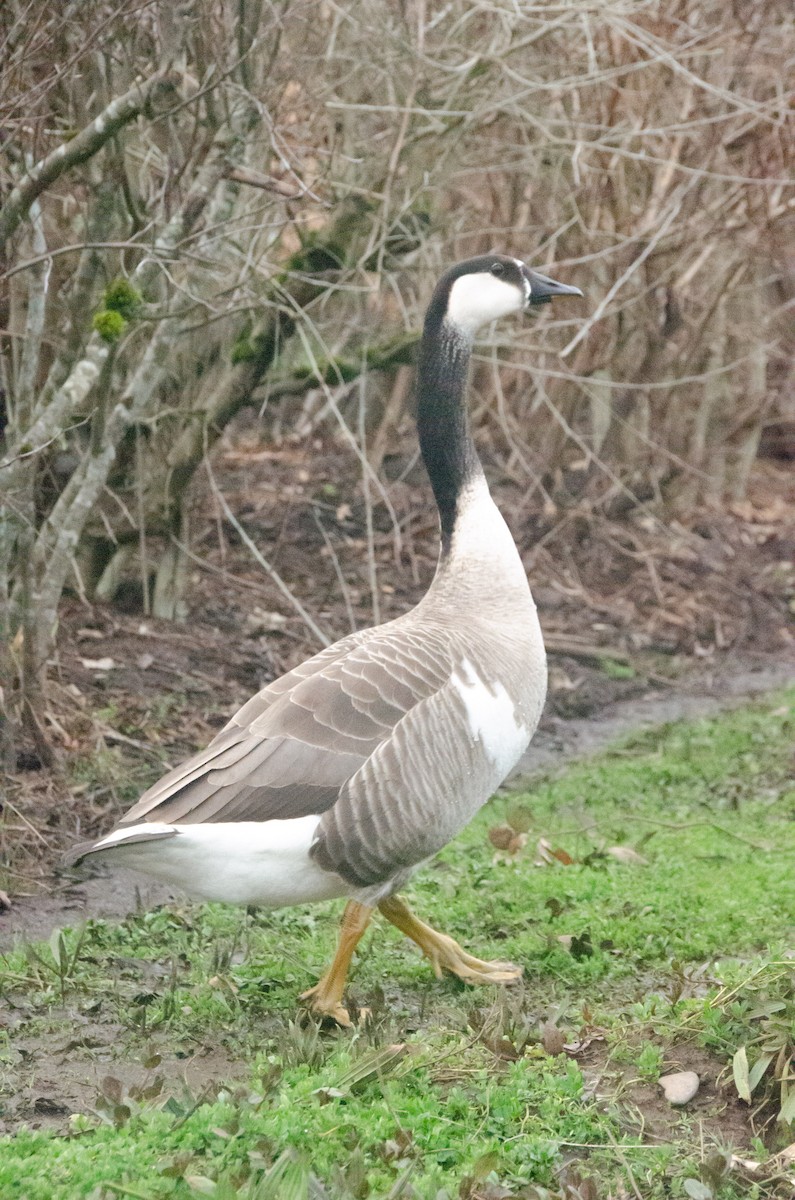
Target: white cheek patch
(528, 291)
(492, 719)
(476, 300)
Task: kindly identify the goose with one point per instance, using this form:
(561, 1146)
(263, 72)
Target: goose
(340, 778)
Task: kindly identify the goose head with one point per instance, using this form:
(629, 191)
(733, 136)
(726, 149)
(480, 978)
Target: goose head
(483, 289)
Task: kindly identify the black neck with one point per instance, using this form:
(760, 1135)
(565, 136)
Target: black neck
(442, 419)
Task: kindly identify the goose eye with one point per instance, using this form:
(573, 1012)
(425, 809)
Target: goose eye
(498, 269)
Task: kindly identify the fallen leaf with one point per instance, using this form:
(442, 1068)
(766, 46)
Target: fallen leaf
(552, 1039)
(501, 836)
(507, 840)
(741, 1075)
(625, 854)
(201, 1185)
(680, 1087)
(45, 1106)
(697, 1190)
(112, 1089)
(502, 1048)
(582, 946)
(578, 946)
(519, 817)
(398, 1149)
(483, 1166)
(577, 1186)
(547, 853)
(747, 1164)
(326, 1094)
(575, 1048)
(559, 681)
(98, 664)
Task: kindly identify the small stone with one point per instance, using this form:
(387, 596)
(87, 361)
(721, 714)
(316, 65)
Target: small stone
(680, 1087)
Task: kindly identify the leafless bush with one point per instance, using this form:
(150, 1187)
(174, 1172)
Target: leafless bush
(212, 205)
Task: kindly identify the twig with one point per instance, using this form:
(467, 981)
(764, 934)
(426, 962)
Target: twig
(651, 245)
(80, 148)
(578, 648)
(266, 182)
(372, 565)
(7, 803)
(38, 449)
(706, 824)
(113, 735)
(346, 594)
(350, 437)
(76, 248)
(263, 562)
(625, 1165)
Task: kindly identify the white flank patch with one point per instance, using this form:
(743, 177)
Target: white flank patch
(477, 299)
(492, 719)
(240, 862)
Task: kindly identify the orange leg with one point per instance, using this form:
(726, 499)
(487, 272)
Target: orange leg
(325, 998)
(444, 953)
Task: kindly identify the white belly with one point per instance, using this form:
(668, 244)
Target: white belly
(240, 862)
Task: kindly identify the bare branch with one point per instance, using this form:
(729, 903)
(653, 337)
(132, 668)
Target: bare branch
(82, 147)
(271, 571)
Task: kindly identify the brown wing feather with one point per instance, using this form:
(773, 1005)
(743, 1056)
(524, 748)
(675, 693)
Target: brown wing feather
(427, 780)
(412, 795)
(290, 749)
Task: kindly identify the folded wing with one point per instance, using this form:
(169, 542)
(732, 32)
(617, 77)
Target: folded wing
(288, 752)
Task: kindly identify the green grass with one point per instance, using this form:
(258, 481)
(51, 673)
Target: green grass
(642, 968)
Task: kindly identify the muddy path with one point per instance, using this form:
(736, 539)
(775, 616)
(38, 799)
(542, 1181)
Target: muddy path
(703, 692)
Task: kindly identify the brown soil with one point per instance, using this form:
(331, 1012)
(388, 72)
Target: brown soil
(716, 1106)
(723, 1119)
(56, 1075)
